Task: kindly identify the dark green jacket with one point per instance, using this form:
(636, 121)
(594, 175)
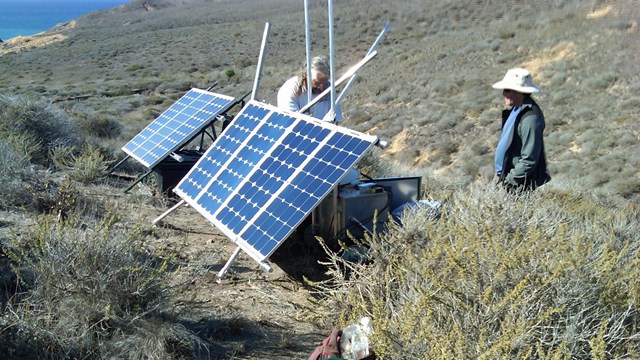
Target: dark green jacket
(525, 161)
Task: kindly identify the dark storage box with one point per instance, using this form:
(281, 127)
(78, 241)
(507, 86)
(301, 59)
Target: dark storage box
(170, 171)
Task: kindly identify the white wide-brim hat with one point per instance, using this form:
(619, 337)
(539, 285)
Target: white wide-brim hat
(517, 79)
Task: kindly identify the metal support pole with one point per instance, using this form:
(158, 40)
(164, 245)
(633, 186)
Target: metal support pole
(138, 180)
(212, 86)
(263, 49)
(334, 200)
(371, 49)
(118, 164)
(308, 48)
(214, 135)
(331, 76)
(226, 266)
(164, 214)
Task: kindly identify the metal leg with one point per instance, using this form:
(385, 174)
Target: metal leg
(334, 201)
(116, 165)
(226, 266)
(140, 178)
(232, 258)
(154, 222)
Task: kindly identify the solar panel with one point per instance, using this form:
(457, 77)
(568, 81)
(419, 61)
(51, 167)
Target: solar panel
(176, 125)
(266, 172)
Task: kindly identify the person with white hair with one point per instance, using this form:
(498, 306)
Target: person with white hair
(520, 160)
(293, 95)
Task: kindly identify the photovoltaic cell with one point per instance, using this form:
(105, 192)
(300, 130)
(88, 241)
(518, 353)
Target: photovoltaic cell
(266, 172)
(176, 125)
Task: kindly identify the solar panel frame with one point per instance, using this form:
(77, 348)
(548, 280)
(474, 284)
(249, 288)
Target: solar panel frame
(177, 125)
(266, 172)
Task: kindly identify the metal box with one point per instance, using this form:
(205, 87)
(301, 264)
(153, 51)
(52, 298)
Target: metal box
(351, 208)
(170, 171)
(352, 212)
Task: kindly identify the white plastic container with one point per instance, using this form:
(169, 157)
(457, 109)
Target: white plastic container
(354, 342)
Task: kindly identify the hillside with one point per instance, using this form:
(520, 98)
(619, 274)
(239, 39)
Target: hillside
(428, 90)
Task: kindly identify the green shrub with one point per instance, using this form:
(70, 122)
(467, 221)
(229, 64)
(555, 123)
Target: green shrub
(123, 91)
(16, 173)
(35, 126)
(602, 81)
(543, 275)
(15, 153)
(87, 292)
(175, 86)
(27, 187)
(101, 125)
(134, 67)
(85, 165)
(154, 100)
(630, 104)
(229, 73)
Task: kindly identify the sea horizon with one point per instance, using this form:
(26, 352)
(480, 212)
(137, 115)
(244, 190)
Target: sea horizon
(29, 17)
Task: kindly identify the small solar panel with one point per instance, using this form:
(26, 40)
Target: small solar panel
(266, 172)
(176, 125)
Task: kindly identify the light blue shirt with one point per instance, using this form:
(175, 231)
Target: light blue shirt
(501, 149)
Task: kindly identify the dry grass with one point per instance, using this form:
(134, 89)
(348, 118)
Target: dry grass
(90, 294)
(544, 275)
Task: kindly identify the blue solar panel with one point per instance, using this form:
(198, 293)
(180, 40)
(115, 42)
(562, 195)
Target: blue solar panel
(266, 172)
(176, 125)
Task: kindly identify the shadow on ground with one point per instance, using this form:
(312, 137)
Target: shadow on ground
(239, 337)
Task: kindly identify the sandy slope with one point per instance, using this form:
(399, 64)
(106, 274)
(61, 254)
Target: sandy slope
(19, 43)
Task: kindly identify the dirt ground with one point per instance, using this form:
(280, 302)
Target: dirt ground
(256, 313)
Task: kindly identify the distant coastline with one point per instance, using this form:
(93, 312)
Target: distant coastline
(29, 17)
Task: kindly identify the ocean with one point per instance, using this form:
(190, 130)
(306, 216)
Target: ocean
(28, 17)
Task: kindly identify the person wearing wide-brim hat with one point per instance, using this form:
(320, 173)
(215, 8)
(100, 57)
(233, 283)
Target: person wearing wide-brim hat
(520, 159)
